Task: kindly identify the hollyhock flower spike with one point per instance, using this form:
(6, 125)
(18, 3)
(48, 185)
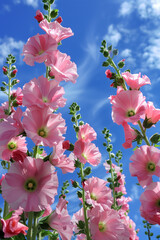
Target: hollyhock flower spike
(128, 106)
(145, 163)
(38, 48)
(44, 127)
(61, 67)
(55, 30)
(87, 152)
(12, 227)
(31, 185)
(150, 203)
(152, 115)
(135, 81)
(43, 93)
(61, 221)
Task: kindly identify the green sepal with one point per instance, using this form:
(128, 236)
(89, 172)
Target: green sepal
(54, 13)
(155, 138)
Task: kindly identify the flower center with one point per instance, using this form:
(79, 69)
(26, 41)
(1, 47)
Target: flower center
(45, 99)
(93, 196)
(102, 226)
(12, 145)
(42, 132)
(83, 155)
(30, 185)
(130, 113)
(40, 52)
(151, 167)
(158, 203)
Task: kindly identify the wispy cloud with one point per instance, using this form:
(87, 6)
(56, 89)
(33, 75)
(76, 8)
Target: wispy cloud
(32, 3)
(6, 7)
(9, 45)
(135, 192)
(113, 35)
(126, 8)
(127, 54)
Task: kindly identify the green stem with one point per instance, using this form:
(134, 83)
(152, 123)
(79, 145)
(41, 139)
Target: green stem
(34, 228)
(84, 206)
(112, 177)
(9, 91)
(49, 12)
(148, 229)
(6, 210)
(35, 151)
(144, 133)
(30, 219)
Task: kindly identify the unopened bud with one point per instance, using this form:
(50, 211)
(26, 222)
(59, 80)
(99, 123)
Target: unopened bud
(39, 16)
(59, 19)
(108, 73)
(66, 144)
(5, 71)
(13, 73)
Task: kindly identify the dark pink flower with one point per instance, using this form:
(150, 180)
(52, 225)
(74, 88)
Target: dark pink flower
(59, 19)
(108, 73)
(38, 48)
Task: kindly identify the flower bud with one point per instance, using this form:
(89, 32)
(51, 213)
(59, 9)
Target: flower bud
(39, 16)
(5, 71)
(66, 144)
(108, 73)
(13, 73)
(59, 19)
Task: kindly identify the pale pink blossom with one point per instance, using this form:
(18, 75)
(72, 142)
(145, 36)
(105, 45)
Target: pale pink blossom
(31, 185)
(78, 216)
(4, 110)
(97, 193)
(86, 133)
(14, 145)
(59, 159)
(55, 30)
(135, 81)
(145, 163)
(108, 167)
(18, 96)
(107, 225)
(123, 202)
(61, 68)
(150, 203)
(12, 226)
(130, 135)
(61, 220)
(87, 152)
(130, 225)
(43, 93)
(128, 106)
(11, 127)
(44, 127)
(38, 48)
(152, 115)
(47, 211)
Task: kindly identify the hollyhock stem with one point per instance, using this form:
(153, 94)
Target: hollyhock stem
(47, 72)
(6, 211)
(144, 134)
(9, 91)
(30, 219)
(34, 228)
(112, 177)
(84, 206)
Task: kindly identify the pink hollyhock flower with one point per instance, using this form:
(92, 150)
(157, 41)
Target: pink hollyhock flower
(43, 93)
(55, 30)
(38, 48)
(135, 81)
(150, 203)
(61, 67)
(14, 145)
(97, 193)
(78, 216)
(61, 221)
(121, 181)
(108, 73)
(128, 106)
(152, 115)
(4, 110)
(1, 179)
(44, 127)
(86, 133)
(39, 16)
(145, 163)
(130, 135)
(18, 96)
(12, 227)
(11, 127)
(59, 159)
(107, 167)
(123, 202)
(31, 185)
(87, 152)
(107, 225)
(130, 225)
(47, 211)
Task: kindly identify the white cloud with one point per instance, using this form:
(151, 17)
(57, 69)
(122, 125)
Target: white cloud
(126, 8)
(135, 192)
(113, 36)
(9, 45)
(6, 7)
(33, 3)
(127, 54)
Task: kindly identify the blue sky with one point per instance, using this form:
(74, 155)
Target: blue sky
(131, 26)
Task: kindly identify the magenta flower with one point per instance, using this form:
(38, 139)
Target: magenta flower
(145, 163)
(14, 145)
(135, 81)
(86, 133)
(38, 48)
(61, 67)
(87, 152)
(97, 193)
(130, 135)
(43, 93)
(31, 185)
(55, 30)
(128, 106)
(61, 221)
(150, 203)
(44, 127)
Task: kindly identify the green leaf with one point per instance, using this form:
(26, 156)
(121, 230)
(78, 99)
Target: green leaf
(54, 13)
(105, 64)
(45, 6)
(121, 64)
(110, 48)
(155, 138)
